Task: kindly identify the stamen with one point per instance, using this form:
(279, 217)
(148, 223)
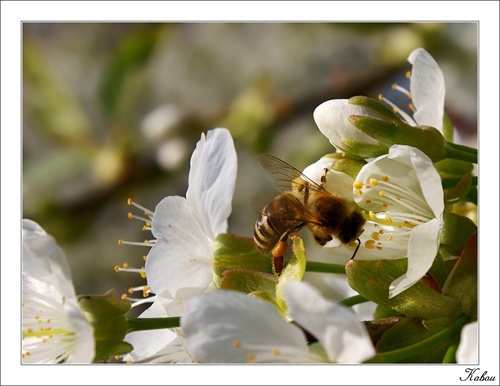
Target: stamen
(147, 221)
(357, 185)
(385, 178)
(148, 243)
(276, 352)
(147, 212)
(237, 343)
(374, 181)
(397, 87)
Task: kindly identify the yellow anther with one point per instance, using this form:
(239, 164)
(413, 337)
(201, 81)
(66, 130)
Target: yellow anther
(117, 268)
(380, 97)
(381, 193)
(251, 358)
(374, 181)
(237, 343)
(370, 244)
(145, 291)
(131, 290)
(375, 236)
(359, 192)
(129, 201)
(372, 216)
(388, 219)
(385, 178)
(408, 74)
(357, 185)
(143, 274)
(389, 238)
(125, 265)
(379, 248)
(123, 297)
(276, 352)
(130, 215)
(368, 201)
(394, 86)
(411, 106)
(120, 242)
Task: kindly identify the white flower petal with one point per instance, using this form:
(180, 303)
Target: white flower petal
(422, 249)
(231, 327)
(336, 182)
(427, 89)
(44, 260)
(337, 328)
(331, 119)
(427, 175)
(182, 255)
(467, 352)
(212, 180)
(54, 327)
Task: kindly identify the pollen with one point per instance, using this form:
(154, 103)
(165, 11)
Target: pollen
(368, 201)
(374, 181)
(385, 178)
(357, 184)
(370, 244)
(237, 343)
(385, 205)
(375, 236)
(381, 193)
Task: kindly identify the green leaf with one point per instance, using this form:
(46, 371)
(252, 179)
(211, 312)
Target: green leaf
(371, 279)
(462, 282)
(232, 252)
(49, 105)
(133, 52)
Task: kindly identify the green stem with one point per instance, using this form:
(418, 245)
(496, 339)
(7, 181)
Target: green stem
(142, 324)
(316, 266)
(450, 355)
(353, 300)
(466, 149)
(427, 344)
(458, 152)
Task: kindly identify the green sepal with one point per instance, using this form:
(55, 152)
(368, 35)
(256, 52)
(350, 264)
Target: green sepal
(371, 279)
(448, 130)
(348, 166)
(108, 318)
(449, 168)
(375, 105)
(456, 231)
(232, 252)
(294, 270)
(357, 149)
(462, 282)
(246, 280)
(459, 191)
(426, 138)
(411, 331)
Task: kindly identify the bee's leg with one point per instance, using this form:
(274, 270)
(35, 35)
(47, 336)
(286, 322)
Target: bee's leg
(356, 250)
(279, 256)
(323, 177)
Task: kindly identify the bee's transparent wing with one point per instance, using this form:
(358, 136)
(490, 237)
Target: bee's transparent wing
(282, 173)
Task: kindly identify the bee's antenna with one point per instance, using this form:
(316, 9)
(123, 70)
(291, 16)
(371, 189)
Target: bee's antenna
(356, 250)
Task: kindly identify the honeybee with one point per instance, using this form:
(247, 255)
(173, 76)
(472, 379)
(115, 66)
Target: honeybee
(299, 202)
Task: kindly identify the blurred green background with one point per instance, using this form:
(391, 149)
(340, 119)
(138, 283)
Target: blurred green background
(114, 110)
